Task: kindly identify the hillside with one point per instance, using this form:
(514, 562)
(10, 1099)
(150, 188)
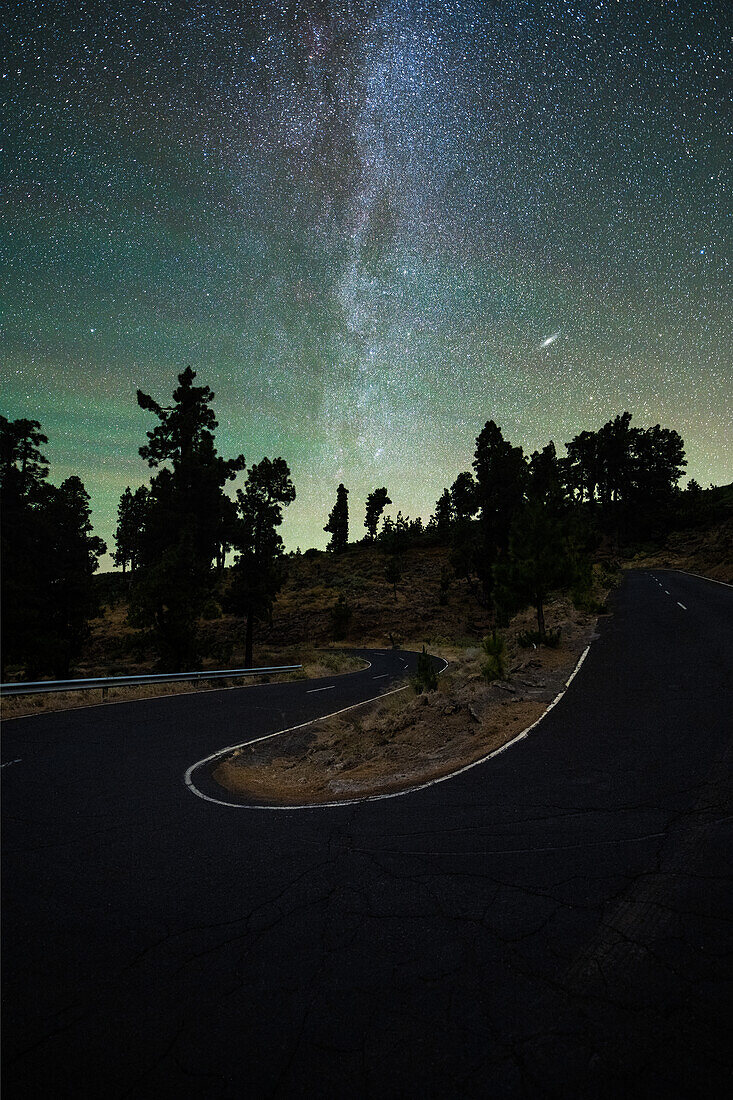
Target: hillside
(302, 614)
(430, 606)
(703, 545)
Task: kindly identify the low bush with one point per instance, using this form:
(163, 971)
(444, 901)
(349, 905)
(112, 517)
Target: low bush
(551, 638)
(494, 667)
(340, 617)
(426, 678)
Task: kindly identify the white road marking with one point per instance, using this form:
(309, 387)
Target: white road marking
(374, 797)
(312, 691)
(568, 682)
(681, 605)
(178, 695)
(245, 744)
(9, 762)
(666, 591)
(381, 676)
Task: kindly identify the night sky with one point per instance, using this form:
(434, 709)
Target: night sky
(369, 227)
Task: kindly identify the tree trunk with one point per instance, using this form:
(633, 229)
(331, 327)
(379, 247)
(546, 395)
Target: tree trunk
(540, 618)
(249, 632)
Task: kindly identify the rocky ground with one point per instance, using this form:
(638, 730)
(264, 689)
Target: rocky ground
(406, 738)
(707, 552)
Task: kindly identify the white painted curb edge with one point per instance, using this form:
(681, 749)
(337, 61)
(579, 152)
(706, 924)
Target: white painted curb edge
(374, 797)
(699, 576)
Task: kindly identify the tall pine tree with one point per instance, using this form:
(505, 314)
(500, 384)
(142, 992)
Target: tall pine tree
(183, 528)
(501, 478)
(338, 521)
(49, 555)
(375, 504)
(130, 531)
(258, 571)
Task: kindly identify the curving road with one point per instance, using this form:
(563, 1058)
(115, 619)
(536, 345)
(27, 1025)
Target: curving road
(555, 922)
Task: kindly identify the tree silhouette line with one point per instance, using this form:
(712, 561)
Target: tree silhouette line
(517, 528)
(49, 556)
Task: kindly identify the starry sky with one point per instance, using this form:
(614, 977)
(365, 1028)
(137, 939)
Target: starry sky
(369, 227)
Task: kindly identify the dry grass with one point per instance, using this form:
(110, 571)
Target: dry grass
(315, 664)
(406, 739)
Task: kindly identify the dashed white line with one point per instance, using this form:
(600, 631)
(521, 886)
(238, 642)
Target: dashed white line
(9, 762)
(381, 676)
(681, 605)
(188, 777)
(188, 780)
(159, 698)
(666, 591)
(312, 691)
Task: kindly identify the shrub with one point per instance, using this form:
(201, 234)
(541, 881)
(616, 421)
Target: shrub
(340, 617)
(551, 638)
(221, 653)
(426, 678)
(494, 667)
(445, 581)
(584, 601)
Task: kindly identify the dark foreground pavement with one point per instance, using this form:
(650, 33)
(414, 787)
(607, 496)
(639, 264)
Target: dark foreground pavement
(555, 922)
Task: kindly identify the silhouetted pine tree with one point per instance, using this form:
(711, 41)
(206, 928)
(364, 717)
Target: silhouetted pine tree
(659, 462)
(23, 473)
(258, 572)
(464, 497)
(443, 515)
(541, 558)
(338, 521)
(501, 479)
(130, 532)
(622, 468)
(49, 555)
(71, 556)
(183, 529)
(393, 572)
(545, 483)
(583, 467)
(375, 505)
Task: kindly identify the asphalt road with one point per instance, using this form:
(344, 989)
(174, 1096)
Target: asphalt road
(555, 922)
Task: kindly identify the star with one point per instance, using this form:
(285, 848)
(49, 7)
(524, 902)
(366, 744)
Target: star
(355, 218)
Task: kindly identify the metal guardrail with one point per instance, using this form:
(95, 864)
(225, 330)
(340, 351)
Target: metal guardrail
(38, 686)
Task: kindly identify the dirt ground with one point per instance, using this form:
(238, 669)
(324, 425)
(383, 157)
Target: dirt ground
(406, 738)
